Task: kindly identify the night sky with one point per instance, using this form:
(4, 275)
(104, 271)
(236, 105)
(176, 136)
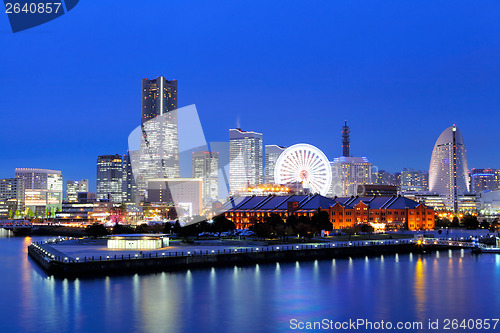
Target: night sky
(400, 72)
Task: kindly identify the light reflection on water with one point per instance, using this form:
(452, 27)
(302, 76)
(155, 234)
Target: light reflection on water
(257, 298)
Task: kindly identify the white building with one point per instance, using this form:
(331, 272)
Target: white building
(348, 173)
(245, 159)
(448, 171)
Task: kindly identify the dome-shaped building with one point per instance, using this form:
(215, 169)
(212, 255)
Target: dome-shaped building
(448, 170)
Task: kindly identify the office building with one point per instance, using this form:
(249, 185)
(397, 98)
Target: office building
(159, 96)
(245, 159)
(75, 186)
(42, 188)
(348, 173)
(129, 187)
(109, 178)
(159, 145)
(206, 168)
(12, 197)
(382, 177)
(272, 152)
(413, 181)
(448, 170)
(222, 148)
(185, 194)
(484, 179)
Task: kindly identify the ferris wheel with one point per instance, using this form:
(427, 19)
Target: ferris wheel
(305, 164)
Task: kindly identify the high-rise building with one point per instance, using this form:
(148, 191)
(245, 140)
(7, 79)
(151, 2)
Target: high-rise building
(159, 147)
(129, 187)
(206, 167)
(42, 187)
(448, 171)
(245, 159)
(75, 186)
(272, 152)
(109, 178)
(348, 173)
(12, 193)
(413, 181)
(159, 96)
(484, 179)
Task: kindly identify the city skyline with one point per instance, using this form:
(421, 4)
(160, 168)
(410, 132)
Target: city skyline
(416, 74)
(250, 166)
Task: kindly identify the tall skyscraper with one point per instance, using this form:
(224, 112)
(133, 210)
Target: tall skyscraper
(346, 141)
(75, 186)
(159, 96)
(206, 167)
(448, 171)
(484, 179)
(272, 152)
(129, 187)
(42, 187)
(159, 146)
(109, 178)
(245, 159)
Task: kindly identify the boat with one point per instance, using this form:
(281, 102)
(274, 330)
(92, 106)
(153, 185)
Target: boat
(484, 249)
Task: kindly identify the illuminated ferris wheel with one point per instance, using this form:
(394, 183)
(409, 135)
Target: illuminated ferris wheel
(306, 164)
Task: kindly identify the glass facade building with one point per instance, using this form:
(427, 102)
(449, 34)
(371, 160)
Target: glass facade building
(159, 96)
(109, 178)
(158, 155)
(245, 159)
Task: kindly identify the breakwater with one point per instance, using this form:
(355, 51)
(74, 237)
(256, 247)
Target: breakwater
(58, 264)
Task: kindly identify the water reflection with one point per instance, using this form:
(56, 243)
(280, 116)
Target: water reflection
(258, 298)
(420, 291)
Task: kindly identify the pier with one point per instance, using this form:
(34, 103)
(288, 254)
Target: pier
(59, 263)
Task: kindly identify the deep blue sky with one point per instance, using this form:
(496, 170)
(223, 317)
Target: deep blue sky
(399, 71)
